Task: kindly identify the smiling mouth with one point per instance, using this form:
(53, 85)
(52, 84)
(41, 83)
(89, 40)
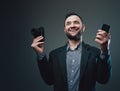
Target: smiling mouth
(73, 30)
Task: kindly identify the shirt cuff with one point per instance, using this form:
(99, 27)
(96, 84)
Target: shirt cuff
(103, 55)
(40, 56)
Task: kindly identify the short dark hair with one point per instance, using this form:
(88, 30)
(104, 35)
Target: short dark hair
(73, 13)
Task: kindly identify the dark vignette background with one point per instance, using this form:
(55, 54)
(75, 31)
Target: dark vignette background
(19, 67)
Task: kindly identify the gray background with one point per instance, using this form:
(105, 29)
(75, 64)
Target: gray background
(19, 67)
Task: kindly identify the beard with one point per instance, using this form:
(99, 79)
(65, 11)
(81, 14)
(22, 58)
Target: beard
(76, 37)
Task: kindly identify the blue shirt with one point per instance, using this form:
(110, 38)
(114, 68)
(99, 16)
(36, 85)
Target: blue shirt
(73, 59)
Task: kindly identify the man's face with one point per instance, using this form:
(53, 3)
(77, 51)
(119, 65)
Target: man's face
(73, 27)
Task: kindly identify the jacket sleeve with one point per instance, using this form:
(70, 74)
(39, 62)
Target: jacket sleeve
(104, 69)
(45, 68)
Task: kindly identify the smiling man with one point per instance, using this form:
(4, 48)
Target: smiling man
(75, 66)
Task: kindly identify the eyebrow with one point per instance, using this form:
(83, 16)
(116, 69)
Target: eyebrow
(73, 21)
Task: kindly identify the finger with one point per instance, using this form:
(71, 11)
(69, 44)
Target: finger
(38, 39)
(34, 44)
(102, 40)
(102, 33)
(40, 43)
(100, 37)
(99, 41)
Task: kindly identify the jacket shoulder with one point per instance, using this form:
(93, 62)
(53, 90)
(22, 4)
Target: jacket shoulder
(91, 48)
(58, 50)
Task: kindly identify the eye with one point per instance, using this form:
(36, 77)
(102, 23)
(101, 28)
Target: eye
(68, 23)
(76, 22)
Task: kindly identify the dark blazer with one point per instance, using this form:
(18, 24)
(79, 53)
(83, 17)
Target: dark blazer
(92, 68)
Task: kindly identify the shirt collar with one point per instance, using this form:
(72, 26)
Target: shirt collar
(79, 46)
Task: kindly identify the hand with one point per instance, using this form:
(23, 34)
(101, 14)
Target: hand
(103, 39)
(37, 45)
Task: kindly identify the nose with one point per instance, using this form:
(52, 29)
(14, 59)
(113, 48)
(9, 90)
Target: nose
(72, 25)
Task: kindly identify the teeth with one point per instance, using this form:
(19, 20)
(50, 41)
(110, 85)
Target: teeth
(72, 30)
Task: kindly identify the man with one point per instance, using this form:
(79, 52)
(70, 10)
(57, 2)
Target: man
(76, 66)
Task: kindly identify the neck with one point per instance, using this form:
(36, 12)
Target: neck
(73, 43)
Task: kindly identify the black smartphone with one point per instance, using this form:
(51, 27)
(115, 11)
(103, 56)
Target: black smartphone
(106, 27)
(38, 32)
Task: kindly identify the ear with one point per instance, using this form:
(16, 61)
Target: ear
(83, 27)
(64, 28)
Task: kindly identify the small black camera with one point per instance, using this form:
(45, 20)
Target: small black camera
(38, 32)
(106, 27)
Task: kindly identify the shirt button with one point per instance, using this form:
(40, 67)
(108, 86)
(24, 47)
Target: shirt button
(73, 60)
(72, 71)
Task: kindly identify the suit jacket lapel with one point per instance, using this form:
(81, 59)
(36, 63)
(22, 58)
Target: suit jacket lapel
(84, 59)
(62, 62)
